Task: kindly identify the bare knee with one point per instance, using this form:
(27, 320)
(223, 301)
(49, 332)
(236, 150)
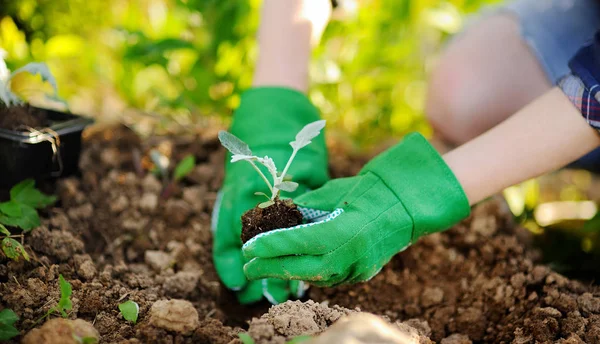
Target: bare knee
(482, 78)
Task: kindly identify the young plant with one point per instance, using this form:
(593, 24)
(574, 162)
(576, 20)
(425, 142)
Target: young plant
(183, 168)
(20, 212)
(279, 182)
(64, 303)
(7, 97)
(130, 311)
(8, 318)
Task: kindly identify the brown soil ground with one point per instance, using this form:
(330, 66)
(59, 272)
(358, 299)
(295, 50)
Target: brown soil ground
(22, 116)
(115, 238)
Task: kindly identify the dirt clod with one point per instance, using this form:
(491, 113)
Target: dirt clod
(158, 260)
(174, 315)
(63, 331)
(282, 214)
(19, 116)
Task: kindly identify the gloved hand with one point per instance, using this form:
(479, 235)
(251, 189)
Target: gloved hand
(361, 222)
(267, 119)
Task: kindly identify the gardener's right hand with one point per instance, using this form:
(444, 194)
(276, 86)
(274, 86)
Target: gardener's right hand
(267, 119)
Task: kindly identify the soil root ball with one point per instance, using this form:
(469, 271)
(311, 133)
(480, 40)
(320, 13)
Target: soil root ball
(62, 331)
(281, 214)
(174, 315)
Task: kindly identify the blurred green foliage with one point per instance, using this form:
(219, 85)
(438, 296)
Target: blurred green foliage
(180, 59)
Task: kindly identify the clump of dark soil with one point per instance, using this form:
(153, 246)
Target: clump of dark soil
(115, 238)
(281, 214)
(22, 116)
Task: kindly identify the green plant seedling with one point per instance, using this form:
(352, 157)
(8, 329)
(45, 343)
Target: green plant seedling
(130, 310)
(64, 304)
(20, 212)
(7, 97)
(7, 320)
(183, 168)
(241, 152)
(245, 338)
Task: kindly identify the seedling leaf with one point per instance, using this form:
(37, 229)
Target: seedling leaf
(245, 338)
(287, 186)
(238, 157)
(7, 320)
(26, 193)
(13, 249)
(233, 144)
(89, 340)
(184, 167)
(130, 311)
(160, 161)
(10, 208)
(299, 339)
(27, 221)
(262, 194)
(41, 69)
(309, 132)
(64, 304)
(266, 204)
(4, 230)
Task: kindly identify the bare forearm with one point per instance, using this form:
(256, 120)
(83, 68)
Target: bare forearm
(544, 136)
(288, 29)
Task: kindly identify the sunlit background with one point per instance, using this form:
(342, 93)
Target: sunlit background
(170, 65)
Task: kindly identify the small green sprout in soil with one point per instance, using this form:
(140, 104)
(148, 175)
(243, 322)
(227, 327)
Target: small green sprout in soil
(183, 168)
(20, 213)
(273, 213)
(129, 310)
(64, 303)
(14, 112)
(8, 318)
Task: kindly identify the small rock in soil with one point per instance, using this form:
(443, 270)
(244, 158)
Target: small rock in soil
(294, 318)
(85, 267)
(365, 328)
(158, 260)
(62, 331)
(177, 212)
(174, 315)
(182, 284)
(149, 202)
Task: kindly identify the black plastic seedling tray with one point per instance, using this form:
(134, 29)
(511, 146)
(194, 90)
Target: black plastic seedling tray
(31, 154)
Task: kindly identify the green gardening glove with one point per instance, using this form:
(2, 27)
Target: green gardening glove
(267, 119)
(359, 223)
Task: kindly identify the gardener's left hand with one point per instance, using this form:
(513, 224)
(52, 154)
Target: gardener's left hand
(362, 221)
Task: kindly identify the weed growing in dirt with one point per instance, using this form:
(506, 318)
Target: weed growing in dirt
(7, 96)
(20, 212)
(64, 303)
(130, 311)
(183, 168)
(240, 151)
(7, 320)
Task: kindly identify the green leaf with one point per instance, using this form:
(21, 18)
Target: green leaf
(4, 230)
(64, 304)
(262, 194)
(10, 208)
(40, 68)
(27, 221)
(299, 339)
(89, 340)
(184, 167)
(266, 204)
(26, 193)
(7, 320)
(130, 311)
(245, 338)
(13, 249)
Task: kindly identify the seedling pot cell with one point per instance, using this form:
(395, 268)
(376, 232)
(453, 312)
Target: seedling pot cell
(46, 153)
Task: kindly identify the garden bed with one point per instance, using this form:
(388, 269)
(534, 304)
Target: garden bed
(116, 236)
